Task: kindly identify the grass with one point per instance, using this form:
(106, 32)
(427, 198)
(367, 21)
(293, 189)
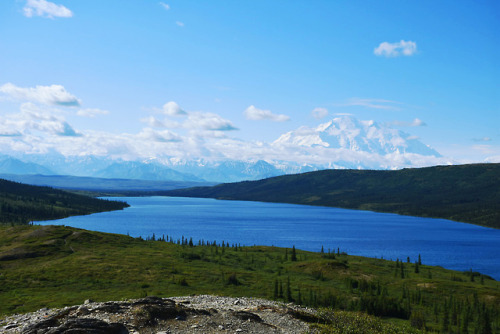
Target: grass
(55, 266)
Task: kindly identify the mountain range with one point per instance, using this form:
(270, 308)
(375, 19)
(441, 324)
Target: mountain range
(342, 143)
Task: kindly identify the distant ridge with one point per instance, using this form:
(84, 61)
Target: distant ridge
(114, 185)
(465, 193)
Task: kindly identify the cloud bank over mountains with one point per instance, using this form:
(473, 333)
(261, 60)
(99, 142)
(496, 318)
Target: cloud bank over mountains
(178, 139)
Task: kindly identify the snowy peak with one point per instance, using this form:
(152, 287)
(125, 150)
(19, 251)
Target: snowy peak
(349, 133)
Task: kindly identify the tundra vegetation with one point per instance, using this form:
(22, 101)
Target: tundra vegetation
(55, 266)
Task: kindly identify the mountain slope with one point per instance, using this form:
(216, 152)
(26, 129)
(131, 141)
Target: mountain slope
(144, 171)
(466, 193)
(349, 133)
(21, 203)
(9, 165)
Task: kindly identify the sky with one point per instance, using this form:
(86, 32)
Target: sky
(180, 78)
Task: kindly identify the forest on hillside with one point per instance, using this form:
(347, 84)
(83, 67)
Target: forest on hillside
(21, 203)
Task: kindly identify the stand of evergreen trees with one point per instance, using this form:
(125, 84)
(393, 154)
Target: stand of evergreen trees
(22, 204)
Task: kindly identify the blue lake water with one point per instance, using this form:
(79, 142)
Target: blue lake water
(440, 242)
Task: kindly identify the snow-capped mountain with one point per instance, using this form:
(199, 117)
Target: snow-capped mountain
(138, 170)
(9, 165)
(351, 134)
(228, 171)
(343, 142)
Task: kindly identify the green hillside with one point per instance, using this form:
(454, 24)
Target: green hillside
(465, 193)
(21, 203)
(55, 266)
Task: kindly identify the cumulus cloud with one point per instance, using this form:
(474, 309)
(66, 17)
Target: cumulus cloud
(256, 114)
(319, 113)
(153, 122)
(32, 118)
(405, 48)
(172, 109)
(414, 123)
(46, 9)
(208, 121)
(164, 136)
(372, 103)
(91, 112)
(6, 132)
(165, 6)
(49, 95)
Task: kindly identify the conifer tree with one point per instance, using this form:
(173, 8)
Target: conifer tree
(294, 254)
(288, 290)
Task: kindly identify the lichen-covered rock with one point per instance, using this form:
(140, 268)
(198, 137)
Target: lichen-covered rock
(193, 314)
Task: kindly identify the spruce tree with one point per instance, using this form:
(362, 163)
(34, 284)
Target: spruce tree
(288, 290)
(294, 254)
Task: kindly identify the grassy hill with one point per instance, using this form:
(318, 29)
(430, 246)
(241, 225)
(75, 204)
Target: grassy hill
(466, 193)
(21, 203)
(55, 266)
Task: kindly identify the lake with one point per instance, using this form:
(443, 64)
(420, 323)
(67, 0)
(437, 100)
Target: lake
(440, 242)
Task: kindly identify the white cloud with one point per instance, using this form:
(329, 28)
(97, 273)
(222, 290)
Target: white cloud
(372, 103)
(208, 121)
(484, 139)
(414, 123)
(49, 95)
(153, 122)
(179, 23)
(172, 109)
(91, 112)
(256, 114)
(45, 8)
(165, 6)
(319, 113)
(6, 132)
(405, 48)
(164, 136)
(33, 119)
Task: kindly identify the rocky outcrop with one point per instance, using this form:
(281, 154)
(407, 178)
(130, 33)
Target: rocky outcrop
(193, 314)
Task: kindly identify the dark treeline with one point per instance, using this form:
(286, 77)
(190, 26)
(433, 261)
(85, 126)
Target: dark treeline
(21, 203)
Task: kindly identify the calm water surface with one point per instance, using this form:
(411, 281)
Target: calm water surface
(440, 242)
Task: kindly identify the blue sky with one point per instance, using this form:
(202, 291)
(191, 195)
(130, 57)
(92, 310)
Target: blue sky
(247, 71)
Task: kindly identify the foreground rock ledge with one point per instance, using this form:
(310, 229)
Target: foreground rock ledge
(193, 314)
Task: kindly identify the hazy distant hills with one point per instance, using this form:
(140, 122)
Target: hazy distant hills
(341, 143)
(106, 185)
(466, 193)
